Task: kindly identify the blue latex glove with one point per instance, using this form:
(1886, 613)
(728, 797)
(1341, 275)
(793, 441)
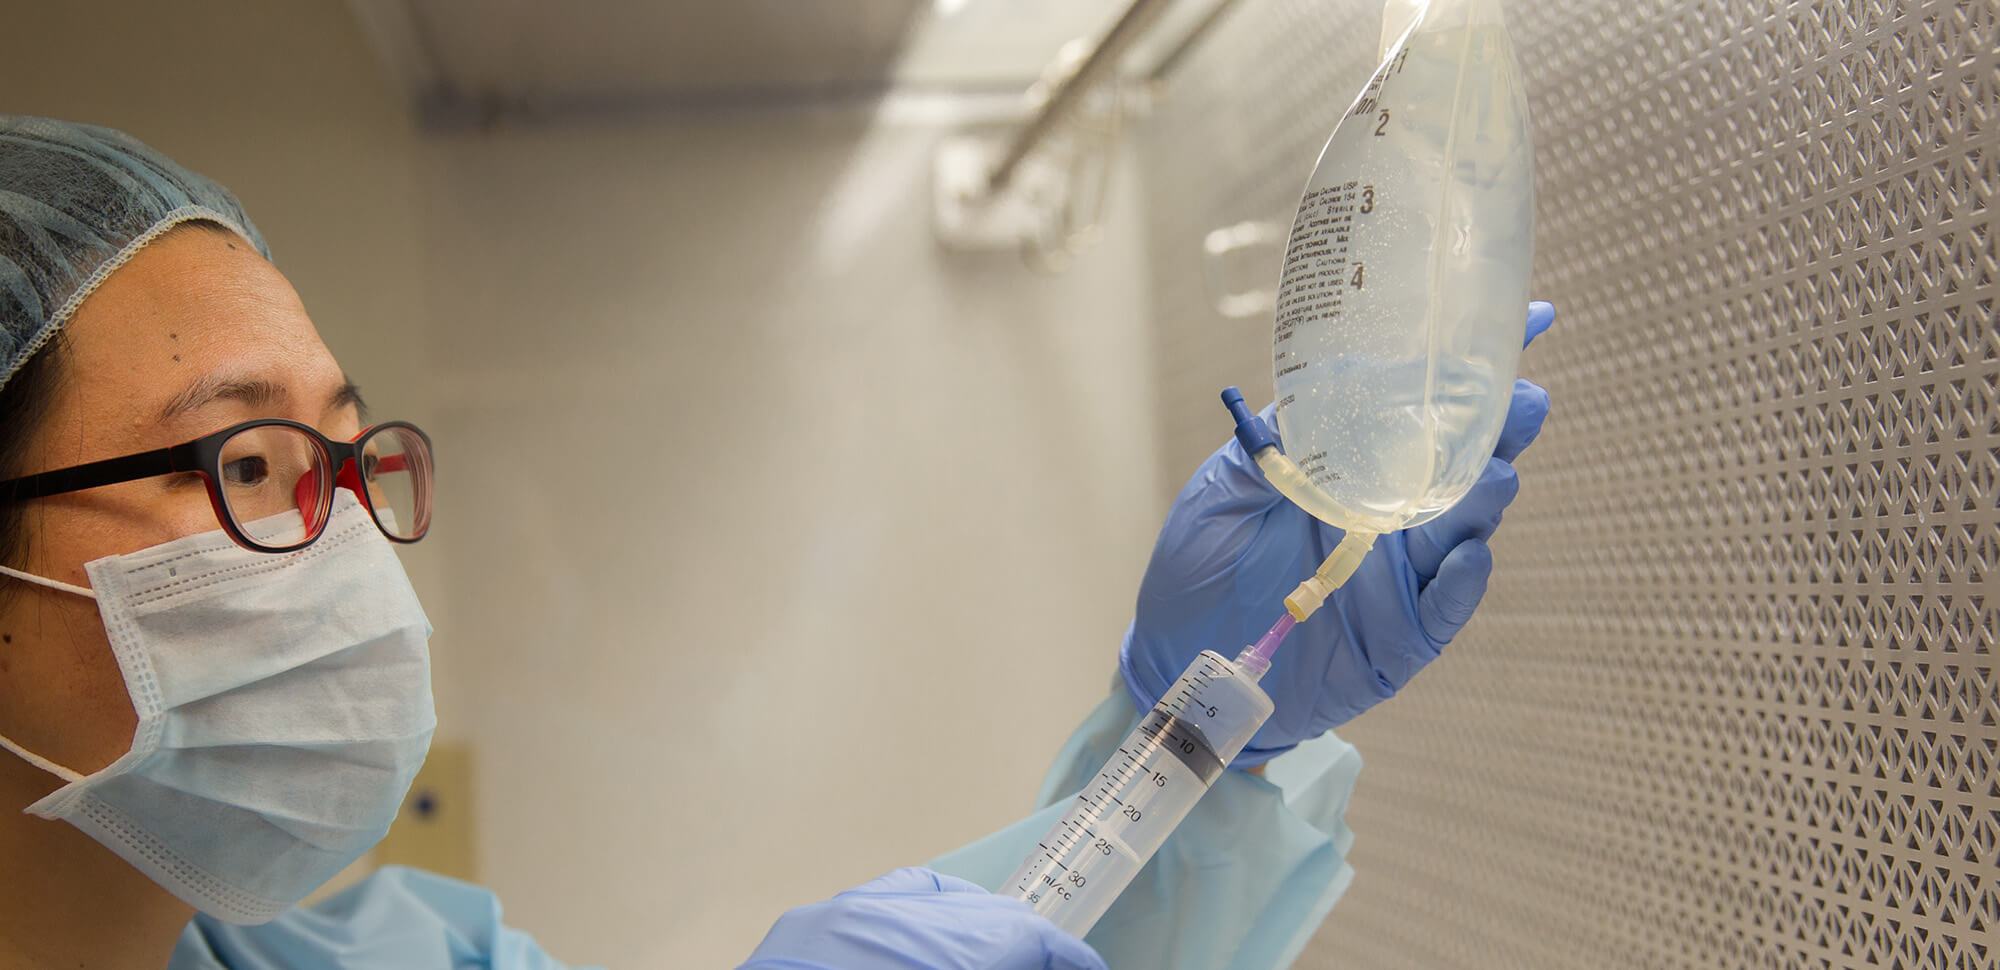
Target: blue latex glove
(916, 919)
(1232, 548)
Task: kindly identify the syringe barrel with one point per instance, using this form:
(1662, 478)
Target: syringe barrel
(1148, 786)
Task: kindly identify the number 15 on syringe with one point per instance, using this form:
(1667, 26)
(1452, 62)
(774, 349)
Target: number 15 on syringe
(1150, 783)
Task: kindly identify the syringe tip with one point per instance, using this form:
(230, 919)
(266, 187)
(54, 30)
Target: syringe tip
(1257, 656)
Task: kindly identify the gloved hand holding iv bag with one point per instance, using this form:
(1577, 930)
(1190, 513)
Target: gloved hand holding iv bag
(1397, 336)
(1394, 394)
(1231, 539)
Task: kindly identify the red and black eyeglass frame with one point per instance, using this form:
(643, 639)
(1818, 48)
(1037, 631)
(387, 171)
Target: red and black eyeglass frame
(203, 456)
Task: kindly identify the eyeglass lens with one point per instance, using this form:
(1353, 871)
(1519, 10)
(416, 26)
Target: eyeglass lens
(395, 467)
(273, 482)
(261, 471)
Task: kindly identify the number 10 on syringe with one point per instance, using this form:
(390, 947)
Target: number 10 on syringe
(1150, 783)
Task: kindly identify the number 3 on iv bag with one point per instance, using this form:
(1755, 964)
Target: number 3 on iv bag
(1399, 329)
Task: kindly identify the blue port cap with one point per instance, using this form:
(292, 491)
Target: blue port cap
(1250, 429)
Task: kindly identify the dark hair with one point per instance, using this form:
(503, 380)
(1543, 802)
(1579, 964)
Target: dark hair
(25, 403)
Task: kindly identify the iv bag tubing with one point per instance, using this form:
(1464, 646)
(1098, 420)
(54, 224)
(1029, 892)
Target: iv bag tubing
(1285, 475)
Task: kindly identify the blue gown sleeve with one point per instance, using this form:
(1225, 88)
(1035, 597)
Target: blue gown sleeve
(397, 917)
(1241, 884)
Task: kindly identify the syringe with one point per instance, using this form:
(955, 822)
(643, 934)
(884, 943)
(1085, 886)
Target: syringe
(1151, 782)
(1178, 749)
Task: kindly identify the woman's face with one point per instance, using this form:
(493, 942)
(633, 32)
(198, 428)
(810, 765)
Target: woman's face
(195, 333)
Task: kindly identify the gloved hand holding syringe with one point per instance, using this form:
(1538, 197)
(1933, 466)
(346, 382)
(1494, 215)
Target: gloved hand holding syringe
(1164, 766)
(1174, 754)
(1398, 333)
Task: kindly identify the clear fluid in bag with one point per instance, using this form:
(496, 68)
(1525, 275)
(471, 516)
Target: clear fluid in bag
(1403, 302)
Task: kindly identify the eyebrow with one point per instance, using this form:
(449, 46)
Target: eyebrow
(252, 393)
(208, 390)
(348, 393)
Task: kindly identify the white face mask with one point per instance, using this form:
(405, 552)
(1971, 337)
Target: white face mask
(284, 707)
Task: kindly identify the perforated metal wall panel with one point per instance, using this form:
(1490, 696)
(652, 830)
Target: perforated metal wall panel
(1731, 700)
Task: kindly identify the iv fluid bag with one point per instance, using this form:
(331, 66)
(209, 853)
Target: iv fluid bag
(1405, 291)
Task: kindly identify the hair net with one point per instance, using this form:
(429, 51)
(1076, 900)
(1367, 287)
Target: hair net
(76, 201)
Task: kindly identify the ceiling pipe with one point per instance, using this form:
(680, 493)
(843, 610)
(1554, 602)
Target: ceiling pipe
(1171, 62)
(1101, 61)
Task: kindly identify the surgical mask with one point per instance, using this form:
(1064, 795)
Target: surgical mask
(284, 707)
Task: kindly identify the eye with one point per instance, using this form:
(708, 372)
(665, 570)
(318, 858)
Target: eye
(370, 465)
(248, 471)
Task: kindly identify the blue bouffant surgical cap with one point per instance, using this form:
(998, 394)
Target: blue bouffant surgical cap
(76, 201)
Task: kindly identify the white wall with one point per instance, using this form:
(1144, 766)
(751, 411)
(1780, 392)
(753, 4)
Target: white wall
(769, 522)
(283, 104)
(764, 520)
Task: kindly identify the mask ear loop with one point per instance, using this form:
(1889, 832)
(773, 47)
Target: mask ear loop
(5, 742)
(40, 762)
(82, 591)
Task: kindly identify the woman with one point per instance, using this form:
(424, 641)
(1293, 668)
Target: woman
(214, 686)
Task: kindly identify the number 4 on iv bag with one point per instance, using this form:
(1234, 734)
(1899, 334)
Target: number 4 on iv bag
(1400, 310)
(1400, 321)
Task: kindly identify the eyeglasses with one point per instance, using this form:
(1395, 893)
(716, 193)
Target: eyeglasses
(258, 471)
